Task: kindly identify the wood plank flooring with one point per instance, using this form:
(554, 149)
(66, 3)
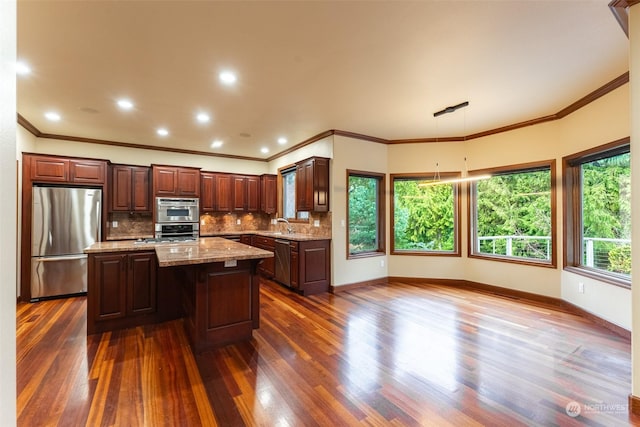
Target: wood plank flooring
(397, 355)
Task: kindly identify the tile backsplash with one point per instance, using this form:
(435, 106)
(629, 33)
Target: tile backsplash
(140, 225)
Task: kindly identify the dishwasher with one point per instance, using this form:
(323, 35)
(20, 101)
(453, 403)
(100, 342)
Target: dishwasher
(283, 262)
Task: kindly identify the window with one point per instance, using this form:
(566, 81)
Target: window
(424, 215)
(512, 214)
(365, 214)
(289, 195)
(598, 213)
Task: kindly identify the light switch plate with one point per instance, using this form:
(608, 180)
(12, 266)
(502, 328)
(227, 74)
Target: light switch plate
(114, 224)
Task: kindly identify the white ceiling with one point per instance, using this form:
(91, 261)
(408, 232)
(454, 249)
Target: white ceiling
(379, 68)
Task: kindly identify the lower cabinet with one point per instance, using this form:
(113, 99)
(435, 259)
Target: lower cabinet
(310, 266)
(123, 290)
(267, 266)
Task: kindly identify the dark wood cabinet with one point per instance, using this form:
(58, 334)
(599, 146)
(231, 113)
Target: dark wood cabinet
(245, 193)
(207, 193)
(66, 170)
(173, 181)
(122, 287)
(87, 171)
(141, 283)
(130, 189)
(268, 194)
(312, 185)
(267, 266)
(215, 192)
(310, 266)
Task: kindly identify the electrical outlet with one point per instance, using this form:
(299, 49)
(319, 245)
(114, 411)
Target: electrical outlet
(342, 223)
(381, 263)
(238, 221)
(316, 223)
(581, 287)
(114, 224)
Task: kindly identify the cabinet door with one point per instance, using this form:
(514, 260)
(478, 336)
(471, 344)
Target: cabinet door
(238, 192)
(165, 181)
(141, 286)
(50, 169)
(207, 186)
(108, 285)
(188, 182)
(304, 186)
(140, 188)
(268, 193)
(87, 171)
(320, 188)
(223, 192)
(253, 194)
(121, 188)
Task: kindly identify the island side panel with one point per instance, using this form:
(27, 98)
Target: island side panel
(222, 306)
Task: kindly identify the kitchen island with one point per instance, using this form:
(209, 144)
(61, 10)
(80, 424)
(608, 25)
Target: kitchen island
(211, 283)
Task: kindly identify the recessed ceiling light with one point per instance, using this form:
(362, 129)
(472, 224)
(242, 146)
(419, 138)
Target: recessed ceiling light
(216, 144)
(22, 68)
(282, 140)
(227, 77)
(264, 150)
(125, 104)
(53, 116)
(203, 117)
(162, 132)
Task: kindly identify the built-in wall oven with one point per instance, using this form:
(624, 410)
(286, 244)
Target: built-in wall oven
(177, 217)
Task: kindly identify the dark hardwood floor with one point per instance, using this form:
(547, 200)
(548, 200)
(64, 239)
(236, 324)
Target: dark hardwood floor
(383, 355)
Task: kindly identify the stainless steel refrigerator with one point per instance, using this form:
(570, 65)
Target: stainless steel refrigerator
(65, 221)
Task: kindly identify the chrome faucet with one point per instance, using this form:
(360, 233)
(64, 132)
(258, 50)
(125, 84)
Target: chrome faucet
(289, 228)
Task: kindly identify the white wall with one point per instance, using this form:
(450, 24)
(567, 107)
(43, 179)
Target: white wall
(137, 156)
(363, 156)
(321, 148)
(8, 188)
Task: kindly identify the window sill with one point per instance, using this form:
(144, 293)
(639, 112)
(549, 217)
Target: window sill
(411, 252)
(366, 255)
(597, 275)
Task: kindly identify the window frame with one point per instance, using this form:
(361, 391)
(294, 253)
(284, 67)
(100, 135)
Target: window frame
(428, 176)
(572, 207)
(381, 226)
(472, 251)
(280, 184)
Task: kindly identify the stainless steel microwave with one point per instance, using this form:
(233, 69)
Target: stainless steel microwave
(170, 209)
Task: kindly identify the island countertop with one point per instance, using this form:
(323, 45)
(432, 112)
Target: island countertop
(204, 250)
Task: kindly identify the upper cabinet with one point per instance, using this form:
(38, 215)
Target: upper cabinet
(130, 188)
(245, 193)
(65, 170)
(215, 192)
(312, 185)
(268, 193)
(173, 181)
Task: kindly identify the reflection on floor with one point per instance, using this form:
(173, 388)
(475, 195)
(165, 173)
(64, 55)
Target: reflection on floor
(381, 355)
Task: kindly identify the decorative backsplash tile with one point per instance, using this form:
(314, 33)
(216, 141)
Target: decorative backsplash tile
(140, 226)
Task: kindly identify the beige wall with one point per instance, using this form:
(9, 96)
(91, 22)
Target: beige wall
(8, 189)
(634, 71)
(363, 156)
(142, 157)
(602, 121)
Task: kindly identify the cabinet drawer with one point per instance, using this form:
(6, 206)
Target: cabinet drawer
(264, 241)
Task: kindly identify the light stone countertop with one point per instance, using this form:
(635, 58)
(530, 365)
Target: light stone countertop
(204, 250)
